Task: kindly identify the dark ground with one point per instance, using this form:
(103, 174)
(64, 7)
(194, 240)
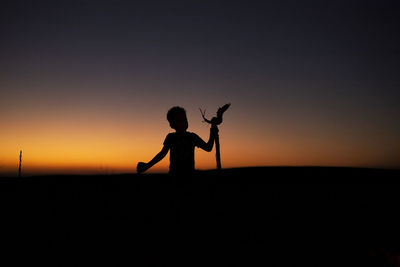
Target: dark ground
(276, 216)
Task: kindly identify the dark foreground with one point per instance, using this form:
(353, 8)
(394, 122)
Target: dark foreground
(252, 216)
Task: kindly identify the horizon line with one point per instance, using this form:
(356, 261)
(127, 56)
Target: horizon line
(40, 174)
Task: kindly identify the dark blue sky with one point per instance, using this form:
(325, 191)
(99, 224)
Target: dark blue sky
(312, 43)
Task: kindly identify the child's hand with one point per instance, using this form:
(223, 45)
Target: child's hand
(214, 130)
(141, 167)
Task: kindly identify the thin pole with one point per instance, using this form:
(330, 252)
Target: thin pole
(217, 152)
(20, 160)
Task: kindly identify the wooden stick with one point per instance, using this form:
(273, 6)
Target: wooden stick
(214, 122)
(217, 152)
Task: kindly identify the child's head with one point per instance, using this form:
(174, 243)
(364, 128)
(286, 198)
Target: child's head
(176, 117)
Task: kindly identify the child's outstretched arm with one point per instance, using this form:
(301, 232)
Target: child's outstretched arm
(209, 145)
(142, 166)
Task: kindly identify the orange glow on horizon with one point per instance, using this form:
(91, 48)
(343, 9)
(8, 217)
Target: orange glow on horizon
(102, 150)
(105, 143)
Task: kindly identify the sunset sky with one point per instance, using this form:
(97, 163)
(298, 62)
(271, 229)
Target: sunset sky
(85, 85)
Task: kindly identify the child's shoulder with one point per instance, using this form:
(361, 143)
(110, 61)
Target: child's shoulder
(191, 134)
(180, 135)
(185, 133)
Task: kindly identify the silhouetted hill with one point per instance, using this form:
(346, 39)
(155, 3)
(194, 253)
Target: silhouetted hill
(279, 216)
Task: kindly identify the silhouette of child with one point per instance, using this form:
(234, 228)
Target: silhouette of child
(181, 145)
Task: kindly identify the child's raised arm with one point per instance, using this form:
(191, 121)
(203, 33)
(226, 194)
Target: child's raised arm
(142, 166)
(209, 145)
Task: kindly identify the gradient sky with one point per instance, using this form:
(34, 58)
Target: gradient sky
(85, 85)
